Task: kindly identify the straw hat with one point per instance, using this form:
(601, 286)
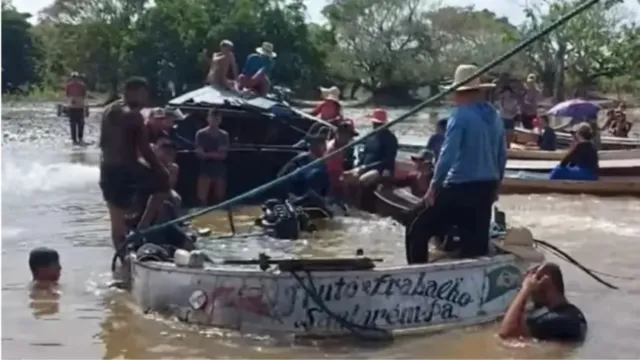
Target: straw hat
(266, 49)
(226, 42)
(378, 116)
(519, 242)
(75, 74)
(332, 93)
(531, 77)
(465, 71)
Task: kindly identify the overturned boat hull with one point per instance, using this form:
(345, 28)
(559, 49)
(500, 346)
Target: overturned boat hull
(377, 302)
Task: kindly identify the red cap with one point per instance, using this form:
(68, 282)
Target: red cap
(378, 116)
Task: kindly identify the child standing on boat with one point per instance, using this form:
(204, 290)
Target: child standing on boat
(212, 144)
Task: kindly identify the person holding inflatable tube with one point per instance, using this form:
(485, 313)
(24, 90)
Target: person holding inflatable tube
(581, 161)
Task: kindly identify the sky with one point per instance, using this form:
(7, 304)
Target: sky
(512, 9)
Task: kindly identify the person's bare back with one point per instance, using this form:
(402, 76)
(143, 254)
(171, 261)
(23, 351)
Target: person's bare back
(119, 130)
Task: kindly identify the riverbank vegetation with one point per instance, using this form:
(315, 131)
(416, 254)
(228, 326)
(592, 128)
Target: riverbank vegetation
(388, 48)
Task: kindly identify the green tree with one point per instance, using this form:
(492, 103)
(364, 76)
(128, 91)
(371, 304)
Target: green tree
(19, 63)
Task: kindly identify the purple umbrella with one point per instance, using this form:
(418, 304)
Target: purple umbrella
(576, 108)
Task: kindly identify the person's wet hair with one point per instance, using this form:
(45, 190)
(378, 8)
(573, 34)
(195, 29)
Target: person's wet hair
(584, 130)
(213, 112)
(554, 273)
(42, 257)
(136, 83)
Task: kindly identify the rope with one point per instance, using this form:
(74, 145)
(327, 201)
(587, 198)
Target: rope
(563, 255)
(279, 181)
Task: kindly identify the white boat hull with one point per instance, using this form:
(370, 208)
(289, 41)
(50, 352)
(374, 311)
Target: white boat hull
(396, 299)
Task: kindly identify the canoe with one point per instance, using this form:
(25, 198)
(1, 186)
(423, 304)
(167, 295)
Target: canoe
(615, 167)
(515, 184)
(520, 152)
(525, 136)
(330, 297)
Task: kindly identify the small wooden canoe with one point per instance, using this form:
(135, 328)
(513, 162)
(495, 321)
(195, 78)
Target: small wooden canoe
(525, 136)
(615, 167)
(521, 152)
(606, 186)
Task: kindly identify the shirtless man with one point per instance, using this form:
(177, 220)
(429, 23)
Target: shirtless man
(221, 63)
(123, 137)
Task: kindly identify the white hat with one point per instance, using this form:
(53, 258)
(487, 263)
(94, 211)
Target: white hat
(226, 42)
(519, 242)
(266, 49)
(531, 77)
(465, 71)
(75, 74)
(332, 93)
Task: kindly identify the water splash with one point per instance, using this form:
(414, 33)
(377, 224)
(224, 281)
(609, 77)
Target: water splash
(29, 178)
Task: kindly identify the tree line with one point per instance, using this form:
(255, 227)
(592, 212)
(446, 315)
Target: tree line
(390, 48)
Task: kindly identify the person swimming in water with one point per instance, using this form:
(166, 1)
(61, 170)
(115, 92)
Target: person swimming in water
(123, 137)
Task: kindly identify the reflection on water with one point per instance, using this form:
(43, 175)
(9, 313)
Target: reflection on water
(50, 197)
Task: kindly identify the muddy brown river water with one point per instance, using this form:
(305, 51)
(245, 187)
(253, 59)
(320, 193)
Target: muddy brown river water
(50, 197)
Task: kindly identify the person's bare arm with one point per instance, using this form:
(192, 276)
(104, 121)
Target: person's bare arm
(142, 140)
(173, 174)
(514, 324)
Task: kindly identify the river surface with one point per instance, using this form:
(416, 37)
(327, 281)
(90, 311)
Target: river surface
(50, 197)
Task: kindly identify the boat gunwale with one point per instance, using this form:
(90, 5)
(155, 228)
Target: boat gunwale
(222, 270)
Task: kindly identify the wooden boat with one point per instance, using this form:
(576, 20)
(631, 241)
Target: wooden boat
(262, 132)
(616, 167)
(515, 184)
(521, 152)
(327, 297)
(564, 139)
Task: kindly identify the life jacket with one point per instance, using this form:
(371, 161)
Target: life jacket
(335, 165)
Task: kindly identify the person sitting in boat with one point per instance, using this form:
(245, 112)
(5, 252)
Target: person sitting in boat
(509, 112)
(76, 93)
(467, 175)
(342, 161)
(44, 264)
(547, 139)
(257, 70)
(223, 65)
(159, 125)
(329, 108)
(553, 318)
(166, 152)
(312, 187)
(581, 161)
(379, 153)
(620, 127)
(419, 179)
(212, 144)
(434, 144)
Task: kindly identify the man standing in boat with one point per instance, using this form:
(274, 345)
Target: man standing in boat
(212, 144)
(257, 69)
(76, 93)
(123, 136)
(223, 70)
(466, 177)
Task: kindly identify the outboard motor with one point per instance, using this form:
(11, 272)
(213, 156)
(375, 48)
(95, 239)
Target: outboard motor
(281, 220)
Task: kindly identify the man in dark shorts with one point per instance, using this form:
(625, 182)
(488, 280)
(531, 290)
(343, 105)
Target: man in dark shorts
(123, 138)
(554, 317)
(212, 144)
(76, 93)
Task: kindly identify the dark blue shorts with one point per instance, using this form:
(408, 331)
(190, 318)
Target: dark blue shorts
(213, 169)
(509, 124)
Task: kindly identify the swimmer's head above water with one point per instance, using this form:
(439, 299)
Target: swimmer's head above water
(45, 265)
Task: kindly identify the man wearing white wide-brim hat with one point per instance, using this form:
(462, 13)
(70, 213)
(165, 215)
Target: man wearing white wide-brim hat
(467, 175)
(257, 69)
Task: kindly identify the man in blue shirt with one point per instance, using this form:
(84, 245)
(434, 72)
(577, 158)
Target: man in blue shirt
(313, 184)
(466, 177)
(257, 70)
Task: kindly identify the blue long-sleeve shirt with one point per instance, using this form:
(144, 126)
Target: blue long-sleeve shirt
(474, 147)
(301, 183)
(382, 149)
(255, 62)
